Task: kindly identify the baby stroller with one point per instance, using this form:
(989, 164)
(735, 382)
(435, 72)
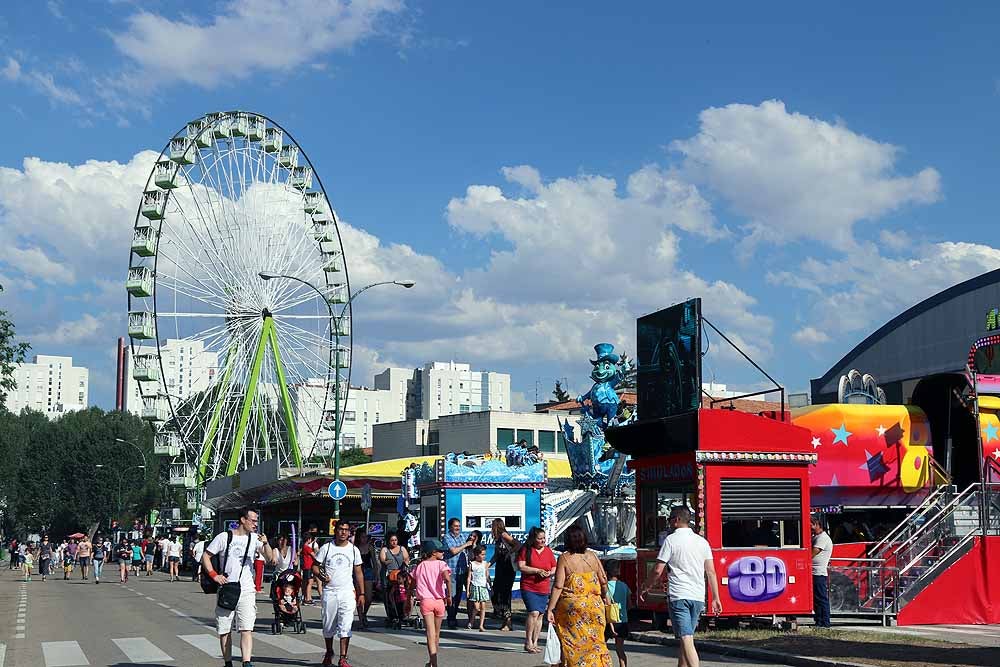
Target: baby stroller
(286, 584)
(397, 598)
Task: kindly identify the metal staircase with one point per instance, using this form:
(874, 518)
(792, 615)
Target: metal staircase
(926, 543)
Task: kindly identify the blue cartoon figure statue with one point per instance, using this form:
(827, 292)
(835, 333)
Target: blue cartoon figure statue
(595, 465)
(607, 373)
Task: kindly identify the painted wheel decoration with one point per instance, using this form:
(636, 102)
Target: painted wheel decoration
(250, 361)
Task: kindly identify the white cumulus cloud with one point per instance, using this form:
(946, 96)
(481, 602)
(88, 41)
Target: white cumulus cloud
(246, 37)
(795, 177)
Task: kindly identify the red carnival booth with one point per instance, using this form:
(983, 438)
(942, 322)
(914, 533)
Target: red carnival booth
(745, 479)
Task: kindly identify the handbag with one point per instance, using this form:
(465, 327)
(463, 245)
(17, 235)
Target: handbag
(553, 650)
(612, 613)
(229, 593)
(208, 585)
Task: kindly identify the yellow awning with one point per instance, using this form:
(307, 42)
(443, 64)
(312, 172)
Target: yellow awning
(392, 468)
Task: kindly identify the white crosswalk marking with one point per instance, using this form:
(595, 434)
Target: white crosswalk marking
(141, 650)
(290, 644)
(3, 654)
(207, 643)
(373, 644)
(63, 654)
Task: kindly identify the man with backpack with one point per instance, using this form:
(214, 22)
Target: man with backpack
(233, 553)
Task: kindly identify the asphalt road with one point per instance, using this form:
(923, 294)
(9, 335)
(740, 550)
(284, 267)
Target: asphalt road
(152, 621)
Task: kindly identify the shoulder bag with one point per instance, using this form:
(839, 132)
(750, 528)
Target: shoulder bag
(229, 593)
(208, 585)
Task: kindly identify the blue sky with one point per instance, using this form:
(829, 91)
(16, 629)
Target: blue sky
(546, 171)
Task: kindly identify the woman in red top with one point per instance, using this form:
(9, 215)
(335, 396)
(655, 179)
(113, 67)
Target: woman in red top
(537, 564)
(308, 552)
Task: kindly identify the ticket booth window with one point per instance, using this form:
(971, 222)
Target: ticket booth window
(761, 513)
(656, 503)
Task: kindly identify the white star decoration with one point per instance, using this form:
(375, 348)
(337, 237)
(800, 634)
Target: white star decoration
(816, 443)
(792, 599)
(881, 430)
(996, 454)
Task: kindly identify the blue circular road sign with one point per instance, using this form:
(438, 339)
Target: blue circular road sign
(338, 490)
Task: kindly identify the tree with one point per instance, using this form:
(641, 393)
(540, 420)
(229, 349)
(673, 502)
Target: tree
(53, 482)
(11, 354)
(353, 457)
(561, 394)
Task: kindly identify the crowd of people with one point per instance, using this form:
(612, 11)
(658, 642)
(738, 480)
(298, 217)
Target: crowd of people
(582, 598)
(88, 556)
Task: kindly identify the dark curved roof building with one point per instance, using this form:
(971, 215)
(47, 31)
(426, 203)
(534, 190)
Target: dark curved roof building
(919, 358)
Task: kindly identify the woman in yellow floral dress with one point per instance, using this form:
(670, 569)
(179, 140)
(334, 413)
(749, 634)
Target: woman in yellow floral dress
(577, 604)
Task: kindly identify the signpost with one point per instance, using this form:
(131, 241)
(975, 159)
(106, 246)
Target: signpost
(337, 490)
(366, 504)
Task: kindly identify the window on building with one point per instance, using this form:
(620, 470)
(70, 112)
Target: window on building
(349, 416)
(433, 437)
(348, 440)
(527, 435)
(505, 436)
(761, 513)
(463, 408)
(547, 441)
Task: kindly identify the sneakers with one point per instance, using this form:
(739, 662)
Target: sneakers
(343, 663)
(328, 659)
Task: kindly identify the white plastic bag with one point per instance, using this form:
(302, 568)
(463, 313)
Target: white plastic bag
(553, 652)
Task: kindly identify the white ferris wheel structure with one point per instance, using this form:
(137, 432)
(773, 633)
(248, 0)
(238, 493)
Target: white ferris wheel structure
(231, 195)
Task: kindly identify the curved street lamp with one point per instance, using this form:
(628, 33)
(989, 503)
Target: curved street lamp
(269, 275)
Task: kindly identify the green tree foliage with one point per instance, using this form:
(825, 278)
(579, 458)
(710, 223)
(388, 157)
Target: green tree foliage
(561, 395)
(353, 457)
(11, 354)
(53, 482)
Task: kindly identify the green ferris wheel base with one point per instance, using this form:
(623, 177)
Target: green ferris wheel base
(268, 338)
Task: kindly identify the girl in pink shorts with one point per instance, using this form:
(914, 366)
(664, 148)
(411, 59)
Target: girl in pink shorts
(432, 588)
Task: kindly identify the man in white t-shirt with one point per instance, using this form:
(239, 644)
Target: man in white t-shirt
(822, 549)
(338, 566)
(690, 559)
(238, 566)
(197, 551)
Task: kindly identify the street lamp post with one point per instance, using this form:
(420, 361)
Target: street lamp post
(267, 275)
(134, 446)
(121, 478)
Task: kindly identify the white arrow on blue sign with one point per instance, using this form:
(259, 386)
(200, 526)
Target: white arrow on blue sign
(338, 490)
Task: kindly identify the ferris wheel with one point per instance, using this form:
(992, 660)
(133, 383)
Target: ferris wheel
(234, 369)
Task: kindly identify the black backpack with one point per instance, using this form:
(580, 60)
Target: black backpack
(209, 585)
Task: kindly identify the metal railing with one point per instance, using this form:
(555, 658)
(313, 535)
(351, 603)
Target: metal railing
(863, 586)
(918, 517)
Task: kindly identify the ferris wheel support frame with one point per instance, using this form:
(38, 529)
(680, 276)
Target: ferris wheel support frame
(267, 338)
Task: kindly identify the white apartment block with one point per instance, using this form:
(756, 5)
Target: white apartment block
(474, 432)
(49, 384)
(449, 388)
(363, 409)
(187, 369)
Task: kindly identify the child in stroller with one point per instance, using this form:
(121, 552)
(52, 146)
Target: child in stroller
(285, 601)
(397, 597)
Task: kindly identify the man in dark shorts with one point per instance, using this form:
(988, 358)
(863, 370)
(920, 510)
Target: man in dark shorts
(83, 552)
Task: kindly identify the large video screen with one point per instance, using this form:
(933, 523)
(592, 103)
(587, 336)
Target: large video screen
(668, 357)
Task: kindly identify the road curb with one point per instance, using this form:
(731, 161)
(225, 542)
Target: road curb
(747, 652)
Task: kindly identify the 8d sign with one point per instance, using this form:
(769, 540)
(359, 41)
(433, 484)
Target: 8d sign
(755, 579)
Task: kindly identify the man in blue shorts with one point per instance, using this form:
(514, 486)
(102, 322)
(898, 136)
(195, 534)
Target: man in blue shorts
(691, 566)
